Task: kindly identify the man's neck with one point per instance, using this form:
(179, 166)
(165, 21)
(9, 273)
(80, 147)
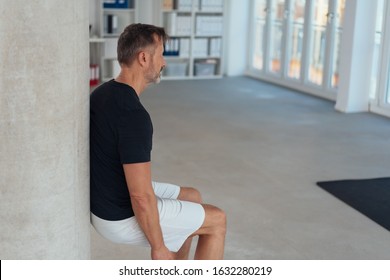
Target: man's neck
(133, 79)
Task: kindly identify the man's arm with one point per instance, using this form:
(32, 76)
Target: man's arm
(143, 199)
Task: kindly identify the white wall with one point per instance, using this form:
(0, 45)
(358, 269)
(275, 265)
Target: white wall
(236, 37)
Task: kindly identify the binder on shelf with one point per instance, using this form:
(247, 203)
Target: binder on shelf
(200, 47)
(170, 23)
(109, 3)
(196, 35)
(130, 4)
(183, 27)
(215, 47)
(168, 5)
(176, 69)
(215, 6)
(207, 67)
(186, 5)
(209, 25)
(118, 4)
(111, 24)
(172, 47)
(93, 75)
(184, 50)
(177, 47)
(177, 25)
(110, 47)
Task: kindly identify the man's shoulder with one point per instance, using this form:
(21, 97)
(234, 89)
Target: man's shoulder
(112, 92)
(105, 88)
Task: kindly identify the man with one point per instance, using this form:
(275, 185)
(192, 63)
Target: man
(126, 205)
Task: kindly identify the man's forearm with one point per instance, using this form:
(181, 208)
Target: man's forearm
(144, 204)
(145, 210)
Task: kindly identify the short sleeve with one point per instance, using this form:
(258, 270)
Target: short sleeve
(135, 133)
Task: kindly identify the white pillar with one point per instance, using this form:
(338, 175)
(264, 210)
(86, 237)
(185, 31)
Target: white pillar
(44, 130)
(236, 37)
(357, 48)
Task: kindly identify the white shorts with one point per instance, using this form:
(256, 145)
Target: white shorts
(178, 220)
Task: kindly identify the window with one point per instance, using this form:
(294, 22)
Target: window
(377, 50)
(295, 47)
(260, 21)
(380, 73)
(297, 43)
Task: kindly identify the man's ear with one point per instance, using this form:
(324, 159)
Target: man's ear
(142, 58)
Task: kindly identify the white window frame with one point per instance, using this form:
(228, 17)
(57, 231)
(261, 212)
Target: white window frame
(302, 84)
(379, 104)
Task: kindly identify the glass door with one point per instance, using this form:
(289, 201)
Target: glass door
(277, 30)
(336, 33)
(294, 43)
(259, 34)
(297, 43)
(275, 22)
(387, 97)
(384, 95)
(325, 31)
(375, 71)
(380, 88)
(318, 24)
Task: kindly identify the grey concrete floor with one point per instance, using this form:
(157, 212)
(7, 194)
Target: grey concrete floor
(256, 150)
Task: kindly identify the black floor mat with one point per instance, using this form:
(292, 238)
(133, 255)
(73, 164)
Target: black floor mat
(371, 197)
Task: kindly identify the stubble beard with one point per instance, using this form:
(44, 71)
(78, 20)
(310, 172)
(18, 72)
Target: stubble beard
(154, 77)
(157, 80)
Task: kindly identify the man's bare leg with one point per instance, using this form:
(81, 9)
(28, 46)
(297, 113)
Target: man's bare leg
(190, 194)
(193, 195)
(211, 243)
(184, 252)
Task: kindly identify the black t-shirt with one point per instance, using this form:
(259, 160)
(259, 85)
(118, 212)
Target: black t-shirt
(120, 132)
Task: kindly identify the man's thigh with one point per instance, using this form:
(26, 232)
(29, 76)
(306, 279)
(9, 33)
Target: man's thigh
(166, 190)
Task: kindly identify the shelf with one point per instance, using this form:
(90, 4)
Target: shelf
(175, 57)
(201, 47)
(194, 26)
(207, 57)
(114, 21)
(180, 36)
(107, 23)
(176, 12)
(97, 40)
(209, 13)
(118, 10)
(111, 35)
(207, 36)
(200, 77)
(172, 78)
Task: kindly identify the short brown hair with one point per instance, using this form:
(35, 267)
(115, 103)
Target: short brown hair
(135, 37)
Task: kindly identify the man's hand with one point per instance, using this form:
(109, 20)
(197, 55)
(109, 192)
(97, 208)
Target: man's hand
(162, 254)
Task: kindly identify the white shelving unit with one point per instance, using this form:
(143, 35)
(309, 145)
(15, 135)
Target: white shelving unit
(195, 27)
(196, 31)
(107, 24)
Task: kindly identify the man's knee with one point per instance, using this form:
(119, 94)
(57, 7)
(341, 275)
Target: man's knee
(221, 218)
(190, 194)
(215, 219)
(197, 197)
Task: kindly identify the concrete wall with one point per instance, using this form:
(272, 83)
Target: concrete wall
(44, 128)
